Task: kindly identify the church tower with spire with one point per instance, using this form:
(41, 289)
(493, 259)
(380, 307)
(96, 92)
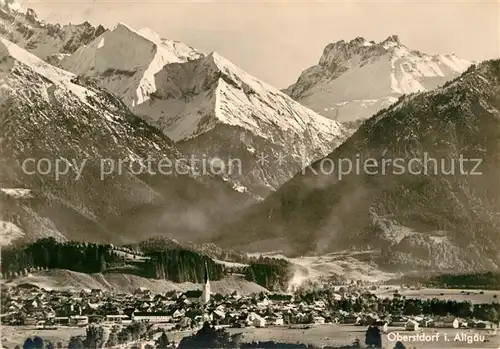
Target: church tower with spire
(205, 298)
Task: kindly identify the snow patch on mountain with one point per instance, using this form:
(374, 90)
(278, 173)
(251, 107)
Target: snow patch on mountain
(353, 80)
(125, 61)
(17, 193)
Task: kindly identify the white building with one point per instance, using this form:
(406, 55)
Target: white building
(79, 320)
(446, 322)
(205, 297)
(152, 317)
(385, 328)
(117, 318)
(319, 320)
(259, 322)
(275, 320)
(178, 313)
(411, 325)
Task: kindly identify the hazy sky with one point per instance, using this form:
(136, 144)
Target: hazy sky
(276, 40)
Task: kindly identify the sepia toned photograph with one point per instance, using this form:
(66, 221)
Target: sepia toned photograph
(246, 174)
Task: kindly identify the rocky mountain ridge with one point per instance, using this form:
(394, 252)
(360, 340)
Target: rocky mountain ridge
(50, 42)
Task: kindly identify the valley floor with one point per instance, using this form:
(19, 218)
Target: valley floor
(474, 296)
(16, 335)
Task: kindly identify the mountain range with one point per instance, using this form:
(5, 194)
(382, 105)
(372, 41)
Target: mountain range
(49, 115)
(430, 214)
(205, 102)
(355, 79)
(74, 95)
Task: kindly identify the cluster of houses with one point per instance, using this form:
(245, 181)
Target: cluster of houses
(32, 306)
(414, 323)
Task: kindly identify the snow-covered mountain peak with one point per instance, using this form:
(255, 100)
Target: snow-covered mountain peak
(223, 65)
(179, 49)
(235, 97)
(213, 107)
(219, 65)
(125, 61)
(150, 34)
(353, 80)
(340, 54)
(123, 29)
(47, 41)
(218, 60)
(391, 41)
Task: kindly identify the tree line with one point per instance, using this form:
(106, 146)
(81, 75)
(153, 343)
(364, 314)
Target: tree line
(489, 280)
(486, 281)
(271, 273)
(180, 265)
(171, 262)
(49, 253)
(405, 306)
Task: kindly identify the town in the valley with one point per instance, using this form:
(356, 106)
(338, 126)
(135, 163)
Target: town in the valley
(249, 174)
(353, 309)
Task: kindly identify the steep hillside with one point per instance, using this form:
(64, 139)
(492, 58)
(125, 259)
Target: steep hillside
(51, 118)
(353, 80)
(420, 213)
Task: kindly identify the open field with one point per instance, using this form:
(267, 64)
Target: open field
(473, 296)
(16, 335)
(320, 335)
(338, 335)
